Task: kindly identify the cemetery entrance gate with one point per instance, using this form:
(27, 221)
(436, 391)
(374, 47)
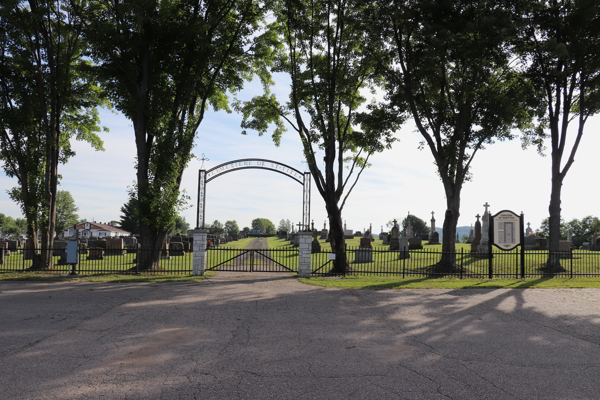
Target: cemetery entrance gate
(253, 260)
(205, 176)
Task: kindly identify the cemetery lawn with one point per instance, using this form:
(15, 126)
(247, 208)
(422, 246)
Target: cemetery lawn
(380, 283)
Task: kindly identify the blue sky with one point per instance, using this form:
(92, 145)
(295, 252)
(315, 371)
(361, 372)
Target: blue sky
(401, 180)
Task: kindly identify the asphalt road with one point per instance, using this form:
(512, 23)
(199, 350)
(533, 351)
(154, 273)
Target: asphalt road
(261, 336)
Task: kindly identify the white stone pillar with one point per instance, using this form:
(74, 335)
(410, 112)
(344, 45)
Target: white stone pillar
(199, 249)
(305, 268)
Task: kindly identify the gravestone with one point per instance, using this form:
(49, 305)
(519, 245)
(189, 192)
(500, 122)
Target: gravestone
(364, 254)
(176, 239)
(585, 246)
(541, 243)
(95, 253)
(323, 235)
(434, 237)
(565, 249)
(530, 242)
(384, 236)
(315, 246)
(570, 235)
(114, 247)
(164, 253)
(399, 243)
(296, 241)
(348, 234)
(471, 235)
(29, 249)
(409, 229)
(4, 248)
(132, 248)
(484, 249)
(58, 248)
(477, 238)
(293, 238)
(528, 231)
(83, 248)
(13, 245)
(2, 254)
(97, 243)
(176, 249)
(414, 243)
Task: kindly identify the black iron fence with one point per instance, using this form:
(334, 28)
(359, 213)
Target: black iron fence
(464, 264)
(355, 260)
(102, 261)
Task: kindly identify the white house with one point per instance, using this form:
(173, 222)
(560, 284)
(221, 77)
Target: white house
(96, 229)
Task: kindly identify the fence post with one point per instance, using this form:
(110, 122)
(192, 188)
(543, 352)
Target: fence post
(199, 247)
(305, 245)
(461, 262)
(571, 261)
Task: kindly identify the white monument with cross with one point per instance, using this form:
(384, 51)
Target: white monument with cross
(485, 231)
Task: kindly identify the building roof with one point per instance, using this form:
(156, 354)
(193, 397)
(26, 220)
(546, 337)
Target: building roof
(103, 227)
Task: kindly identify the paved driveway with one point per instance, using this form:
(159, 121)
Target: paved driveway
(256, 336)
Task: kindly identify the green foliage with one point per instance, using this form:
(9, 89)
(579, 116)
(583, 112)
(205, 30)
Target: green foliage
(130, 219)
(246, 229)
(179, 226)
(48, 97)
(231, 228)
(285, 225)
(66, 211)
(447, 65)
(13, 226)
(583, 229)
(162, 64)
(419, 226)
(323, 50)
(216, 228)
(544, 229)
(265, 225)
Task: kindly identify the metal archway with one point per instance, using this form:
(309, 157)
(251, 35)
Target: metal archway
(205, 176)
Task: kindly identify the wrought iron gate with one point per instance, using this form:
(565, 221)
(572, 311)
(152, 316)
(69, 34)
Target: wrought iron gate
(252, 260)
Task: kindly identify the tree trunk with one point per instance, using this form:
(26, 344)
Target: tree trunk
(553, 263)
(336, 237)
(447, 263)
(151, 242)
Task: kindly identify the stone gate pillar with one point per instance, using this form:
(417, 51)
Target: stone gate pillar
(199, 249)
(304, 243)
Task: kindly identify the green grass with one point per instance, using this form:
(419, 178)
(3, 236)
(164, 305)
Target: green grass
(379, 283)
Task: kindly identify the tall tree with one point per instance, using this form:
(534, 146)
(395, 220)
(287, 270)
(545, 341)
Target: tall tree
(66, 211)
(560, 49)
(285, 225)
(418, 226)
(216, 228)
(231, 228)
(180, 226)
(130, 217)
(447, 63)
(264, 224)
(324, 54)
(163, 63)
(47, 96)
